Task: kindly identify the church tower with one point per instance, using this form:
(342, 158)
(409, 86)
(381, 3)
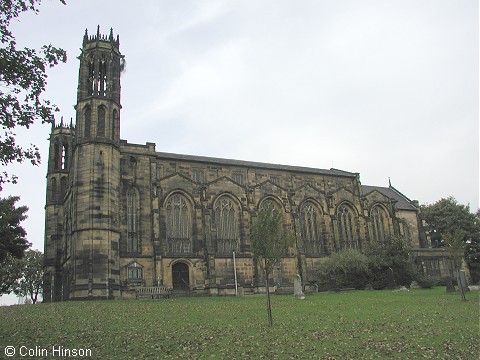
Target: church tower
(93, 266)
(62, 139)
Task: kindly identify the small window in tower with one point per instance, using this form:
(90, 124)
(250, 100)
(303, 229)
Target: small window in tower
(102, 78)
(64, 157)
(56, 156)
(101, 122)
(90, 82)
(88, 121)
(115, 125)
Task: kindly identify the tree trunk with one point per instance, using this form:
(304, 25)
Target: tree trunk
(269, 306)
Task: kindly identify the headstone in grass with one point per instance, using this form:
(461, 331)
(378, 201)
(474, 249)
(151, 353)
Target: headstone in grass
(391, 284)
(297, 288)
(415, 285)
(449, 284)
(332, 281)
(462, 280)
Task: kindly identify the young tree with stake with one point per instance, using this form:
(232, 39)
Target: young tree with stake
(269, 243)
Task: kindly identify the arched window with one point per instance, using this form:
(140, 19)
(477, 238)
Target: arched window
(178, 225)
(269, 204)
(91, 76)
(310, 228)
(88, 121)
(379, 223)
(56, 156)
(63, 187)
(114, 124)
(346, 222)
(53, 189)
(102, 78)
(226, 225)
(64, 157)
(101, 121)
(133, 242)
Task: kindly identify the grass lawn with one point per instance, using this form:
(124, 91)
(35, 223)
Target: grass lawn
(427, 323)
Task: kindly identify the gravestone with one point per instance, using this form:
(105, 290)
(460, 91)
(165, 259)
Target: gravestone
(462, 280)
(391, 284)
(449, 284)
(297, 288)
(414, 285)
(332, 281)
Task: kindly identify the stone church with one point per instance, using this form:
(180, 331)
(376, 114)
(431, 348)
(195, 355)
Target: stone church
(120, 215)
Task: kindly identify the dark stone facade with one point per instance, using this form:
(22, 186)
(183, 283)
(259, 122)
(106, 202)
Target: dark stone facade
(119, 215)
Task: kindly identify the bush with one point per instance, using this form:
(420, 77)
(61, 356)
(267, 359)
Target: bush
(354, 269)
(350, 267)
(425, 281)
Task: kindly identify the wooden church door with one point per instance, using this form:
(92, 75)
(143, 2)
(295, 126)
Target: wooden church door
(180, 276)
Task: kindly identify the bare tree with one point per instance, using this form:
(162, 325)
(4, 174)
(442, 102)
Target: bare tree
(269, 243)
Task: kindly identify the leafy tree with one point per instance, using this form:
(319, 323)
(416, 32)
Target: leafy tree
(12, 235)
(269, 243)
(446, 218)
(394, 254)
(447, 215)
(31, 281)
(22, 81)
(455, 246)
(10, 272)
(354, 269)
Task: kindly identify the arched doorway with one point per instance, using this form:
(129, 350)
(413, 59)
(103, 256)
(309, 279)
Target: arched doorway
(180, 276)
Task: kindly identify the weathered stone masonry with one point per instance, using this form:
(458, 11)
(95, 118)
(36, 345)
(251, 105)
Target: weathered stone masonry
(119, 215)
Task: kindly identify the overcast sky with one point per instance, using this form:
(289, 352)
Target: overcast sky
(384, 88)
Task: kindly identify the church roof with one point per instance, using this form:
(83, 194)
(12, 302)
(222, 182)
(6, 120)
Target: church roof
(402, 202)
(253, 164)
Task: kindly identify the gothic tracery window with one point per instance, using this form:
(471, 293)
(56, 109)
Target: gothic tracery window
(310, 228)
(226, 225)
(133, 241)
(346, 221)
(269, 204)
(379, 222)
(178, 225)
